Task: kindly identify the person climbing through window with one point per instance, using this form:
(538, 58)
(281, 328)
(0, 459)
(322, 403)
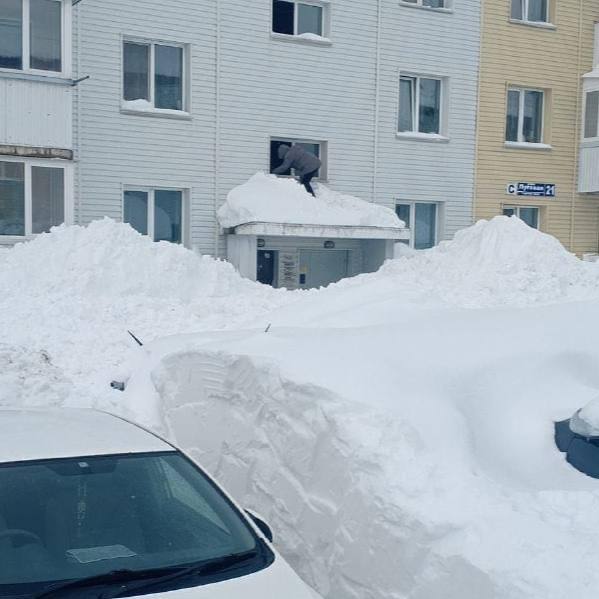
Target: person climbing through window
(304, 163)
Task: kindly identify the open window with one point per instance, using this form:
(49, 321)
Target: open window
(318, 148)
(302, 18)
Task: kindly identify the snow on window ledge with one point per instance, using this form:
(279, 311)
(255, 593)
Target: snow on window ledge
(525, 145)
(447, 9)
(305, 38)
(145, 108)
(415, 136)
(538, 24)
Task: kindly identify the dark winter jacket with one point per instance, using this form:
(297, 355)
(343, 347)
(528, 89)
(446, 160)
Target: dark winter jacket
(300, 160)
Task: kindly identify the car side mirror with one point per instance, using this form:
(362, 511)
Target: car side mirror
(261, 524)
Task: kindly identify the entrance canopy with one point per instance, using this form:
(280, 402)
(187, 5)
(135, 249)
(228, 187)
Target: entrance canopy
(268, 205)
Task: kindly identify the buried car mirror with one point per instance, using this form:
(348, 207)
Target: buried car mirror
(261, 524)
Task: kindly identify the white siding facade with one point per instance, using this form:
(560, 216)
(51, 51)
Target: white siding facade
(249, 85)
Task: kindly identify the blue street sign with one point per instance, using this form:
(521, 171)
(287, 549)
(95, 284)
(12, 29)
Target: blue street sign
(537, 190)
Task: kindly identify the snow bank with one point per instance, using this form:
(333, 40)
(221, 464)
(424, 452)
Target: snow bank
(267, 198)
(75, 292)
(498, 262)
(400, 444)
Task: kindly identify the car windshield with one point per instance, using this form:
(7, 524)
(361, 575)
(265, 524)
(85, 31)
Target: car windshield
(69, 519)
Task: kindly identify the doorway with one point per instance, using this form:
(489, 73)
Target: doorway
(319, 268)
(267, 267)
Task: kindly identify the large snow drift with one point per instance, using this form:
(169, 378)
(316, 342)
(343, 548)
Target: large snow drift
(269, 199)
(399, 441)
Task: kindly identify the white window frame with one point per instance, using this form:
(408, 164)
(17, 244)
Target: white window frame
(65, 44)
(524, 20)
(324, 153)
(326, 20)
(186, 88)
(584, 116)
(443, 108)
(411, 225)
(447, 5)
(68, 193)
(521, 141)
(185, 217)
(516, 209)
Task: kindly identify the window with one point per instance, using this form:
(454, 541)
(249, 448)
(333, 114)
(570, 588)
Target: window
(291, 17)
(153, 75)
(529, 214)
(32, 198)
(530, 11)
(31, 35)
(591, 114)
(421, 218)
(524, 121)
(157, 213)
(318, 148)
(419, 105)
(429, 3)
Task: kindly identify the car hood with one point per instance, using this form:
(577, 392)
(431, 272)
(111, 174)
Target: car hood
(278, 580)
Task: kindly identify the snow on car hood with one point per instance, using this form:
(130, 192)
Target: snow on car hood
(585, 422)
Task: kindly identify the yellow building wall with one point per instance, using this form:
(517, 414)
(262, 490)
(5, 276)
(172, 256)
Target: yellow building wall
(554, 60)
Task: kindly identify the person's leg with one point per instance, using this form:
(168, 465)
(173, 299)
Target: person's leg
(305, 181)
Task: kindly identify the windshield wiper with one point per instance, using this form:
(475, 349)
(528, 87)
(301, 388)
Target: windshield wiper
(151, 577)
(113, 577)
(214, 566)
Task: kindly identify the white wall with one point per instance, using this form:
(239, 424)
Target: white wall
(34, 113)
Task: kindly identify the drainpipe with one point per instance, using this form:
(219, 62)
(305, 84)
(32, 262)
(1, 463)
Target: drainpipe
(217, 128)
(577, 128)
(377, 99)
(78, 91)
(477, 116)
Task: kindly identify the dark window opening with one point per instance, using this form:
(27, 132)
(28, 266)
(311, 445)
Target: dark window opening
(275, 161)
(283, 17)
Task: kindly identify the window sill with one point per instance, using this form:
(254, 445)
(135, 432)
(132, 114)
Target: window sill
(427, 137)
(179, 115)
(523, 145)
(537, 24)
(13, 239)
(427, 8)
(305, 38)
(53, 78)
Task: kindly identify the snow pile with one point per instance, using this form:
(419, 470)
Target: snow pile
(586, 421)
(75, 292)
(498, 262)
(267, 198)
(400, 445)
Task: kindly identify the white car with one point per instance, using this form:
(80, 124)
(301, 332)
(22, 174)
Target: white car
(94, 506)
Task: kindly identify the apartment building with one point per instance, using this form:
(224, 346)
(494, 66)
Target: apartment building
(536, 57)
(36, 118)
(186, 102)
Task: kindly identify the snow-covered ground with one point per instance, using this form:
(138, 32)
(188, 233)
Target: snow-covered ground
(396, 428)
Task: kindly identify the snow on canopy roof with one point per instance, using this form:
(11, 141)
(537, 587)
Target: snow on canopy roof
(269, 199)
